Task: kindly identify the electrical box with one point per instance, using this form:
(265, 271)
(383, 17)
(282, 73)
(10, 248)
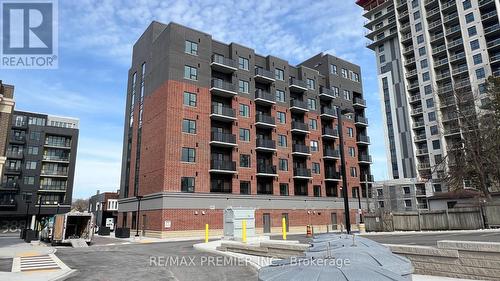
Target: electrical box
(233, 222)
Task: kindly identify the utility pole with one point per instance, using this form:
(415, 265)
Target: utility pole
(139, 197)
(343, 169)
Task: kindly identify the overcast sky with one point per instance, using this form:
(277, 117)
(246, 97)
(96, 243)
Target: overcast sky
(95, 46)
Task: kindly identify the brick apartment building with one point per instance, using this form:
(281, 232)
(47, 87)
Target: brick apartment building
(6, 106)
(211, 125)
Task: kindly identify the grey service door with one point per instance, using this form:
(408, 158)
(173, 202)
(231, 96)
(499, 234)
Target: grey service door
(334, 221)
(266, 221)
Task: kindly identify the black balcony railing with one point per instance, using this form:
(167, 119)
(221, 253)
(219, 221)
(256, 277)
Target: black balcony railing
(266, 169)
(58, 143)
(332, 174)
(296, 125)
(365, 158)
(298, 83)
(298, 104)
(9, 202)
(54, 172)
(12, 184)
(56, 158)
(264, 118)
(359, 101)
(263, 95)
(362, 138)
(330, 132)
(264, 73)
(366, 178)
(224, 61)
(328, 111)
(328, 152)
(302, 172)
(12, 169)
(223, 137)
(223, 165)
(15, 138)
(328, 92)
(266, 143)
(51, 187)
(300, 148)
(360, 119)
(223, 110)
(223, 85)
(15, 154)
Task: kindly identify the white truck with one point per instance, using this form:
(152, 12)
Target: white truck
(70, 228)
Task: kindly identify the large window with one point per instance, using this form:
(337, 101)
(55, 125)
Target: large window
(314, 146)
(189, 126)
(281, 117)
(245, 160)
(282, 140)
(244, 110)
(311, 104)
(244, 134)
(279, 74)
(313, 124)
(190, 99)
(191, 48)
(474, 45)
(333, 69)
(243, 86)
(469, 17)
(190, 72)
(244, 187)
(284, 189)
(280, 96)
(311, 84)
(188, 155)
(315, 168)
(283, 164)
(187, 184)
(243, 63)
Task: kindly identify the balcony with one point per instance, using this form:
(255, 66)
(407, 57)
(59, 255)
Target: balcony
(442, 76)
(424, 166)
(460, 70)
(361, 139)
(55, 173)
(224, 167)
(329, 153)
(264, 121)
(485, 2)
(452, 30)
(328, 112)
(359, 103)
(265, 145)
(364, 159)
(222, 64)
(302, 173)
(301, 150)
(12, 185)
(422, 151)
(266, 171)
(223, 113)
(433, 12)
(410, 74)
(418, 124)
(359, 120)
(413, 86)
(437, 37)
(55, 158)
(52, 188)
(492, 29)
(264, 76)
(300, 127)
(8, 202)
(450, 17)
(415, 98)
(452, 116)
(223, 139)
(462, 84)
(403, 15)
(409, 61)
(489, 15)
(58, 144)
(298, 106)
(495, 58)
(17, 139)
(12, 170)
(264, 97)
(451, 131)
(19, 124)
(437, 50)
(435, 24)
(448, 4)
(457, 57)
(366, 178)
(326, 93)
(330, 133)
(15, 154)
(222, 88)
(493, 44)
(297, 85)
(455, 43)
(417, 111)
(332, 175)
(419, 138)
(448, 101)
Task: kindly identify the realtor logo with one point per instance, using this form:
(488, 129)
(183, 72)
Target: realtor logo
(29, 34)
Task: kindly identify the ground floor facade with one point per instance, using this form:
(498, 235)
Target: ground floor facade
(178, 214)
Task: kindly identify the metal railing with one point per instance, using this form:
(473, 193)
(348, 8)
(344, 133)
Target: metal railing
(296, 125)
(328, 152)
(301, 148)
(223, 165)
(266, 143)
(302, 172)
(260, 94)
(298, 83)
(264, 73)
(224, 61)
(264, 118)
(330, 132)
(266, 169)
(221, 84)
(223, 110)
(298, 104)
(223, 137)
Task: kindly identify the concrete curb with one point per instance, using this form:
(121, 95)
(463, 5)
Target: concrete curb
(65, 275)
(200, 248)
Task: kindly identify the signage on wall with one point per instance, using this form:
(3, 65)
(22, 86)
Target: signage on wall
(168, 224)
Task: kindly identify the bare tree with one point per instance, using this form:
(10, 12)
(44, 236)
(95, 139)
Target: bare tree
(80, 205)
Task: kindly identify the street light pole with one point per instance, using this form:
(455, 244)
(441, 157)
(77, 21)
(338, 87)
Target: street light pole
(37, 221)
(139, 197)
(343, 170)
(27, 200)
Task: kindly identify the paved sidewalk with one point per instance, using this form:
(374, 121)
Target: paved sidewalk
(33, 262)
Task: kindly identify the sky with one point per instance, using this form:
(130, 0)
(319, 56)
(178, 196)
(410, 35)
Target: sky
(95, 48)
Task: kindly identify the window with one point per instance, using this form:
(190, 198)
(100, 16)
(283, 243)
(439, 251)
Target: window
(36, 121)
(311, 104)
(467, 4)
(347, 95)
(420, 39)
(428, 90)
(434, 130)
(474, 45)
(333, 69)
(244, 134)
(469, 17)
(414, 3)
(244, 187)
(416, 15)
(33, 150)
(436, 144)
(480, 73)
(190, 99)
(282, 140)
(382, 59)
(408, 203)
(190, 72)
(421, 51)
(284, 189)
(188, 154)
(30, 165)
(314, 146)
(29, 180)
(381, 48)
(354, 172)
(418, 27)
(187, 184)
(350, 132)
(280, 96)
(472, 31)
(281, 117)
(477, 59)
(35, 136)
(344, 73)
(245, 160)
(317, 190)
(243, 86)
(283, 164)
(313, 124)
(189, 126)
(311, 84)
(356, 77)
(431, 116)
(424, 63)
(279, 74)
(429, 103)
(244, 110)
(191, 48)
(425, 76)
(243, 63)
(336, 91)
(352, 151)
(438, 158)
(315, 168)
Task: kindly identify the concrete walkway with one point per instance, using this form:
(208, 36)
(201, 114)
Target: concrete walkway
(34, 261)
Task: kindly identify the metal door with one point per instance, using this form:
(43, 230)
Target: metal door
(334, 221)
(266, 221)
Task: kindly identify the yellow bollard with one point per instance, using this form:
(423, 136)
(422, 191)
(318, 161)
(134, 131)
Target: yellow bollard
(283, 226)
(244, 231)
(206, 233)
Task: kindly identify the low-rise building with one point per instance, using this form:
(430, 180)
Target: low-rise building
(400, 195)
(104, 206)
